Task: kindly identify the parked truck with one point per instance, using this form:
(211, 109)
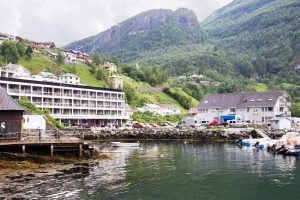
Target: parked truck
(225, 118)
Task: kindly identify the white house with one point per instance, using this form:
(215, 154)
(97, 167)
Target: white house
(281, 123)
(34, 122)
(69, 78)
(252, 106)
(14, 71)
(163, 109)
(167, 109)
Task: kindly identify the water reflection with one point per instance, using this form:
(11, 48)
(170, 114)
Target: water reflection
(166, 170)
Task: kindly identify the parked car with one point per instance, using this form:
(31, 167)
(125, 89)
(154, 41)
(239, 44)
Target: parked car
(235, 123)
(154, 125)
(129, 123)
(213, 123)
(204, 122)
(138, 125)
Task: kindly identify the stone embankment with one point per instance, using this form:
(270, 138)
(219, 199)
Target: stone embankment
(169, 134)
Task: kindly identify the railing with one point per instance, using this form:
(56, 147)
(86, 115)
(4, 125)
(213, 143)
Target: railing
(9, 136)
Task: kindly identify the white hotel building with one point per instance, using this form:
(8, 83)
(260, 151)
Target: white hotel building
(73, 104)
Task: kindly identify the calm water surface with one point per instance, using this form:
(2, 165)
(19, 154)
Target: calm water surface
(171, 170)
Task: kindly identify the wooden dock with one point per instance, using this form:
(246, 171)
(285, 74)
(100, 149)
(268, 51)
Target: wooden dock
(51, 147)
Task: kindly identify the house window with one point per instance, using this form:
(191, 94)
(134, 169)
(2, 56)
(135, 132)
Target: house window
(2, 127)
(232, 109)
(281, 109)
(270, 109)
(262, 119)
(248, 109)
(27, 119)
(262, 109)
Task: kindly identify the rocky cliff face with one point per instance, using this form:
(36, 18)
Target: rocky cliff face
(149, 30)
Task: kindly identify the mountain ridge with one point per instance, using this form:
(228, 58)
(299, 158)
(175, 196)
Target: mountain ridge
(146, 31)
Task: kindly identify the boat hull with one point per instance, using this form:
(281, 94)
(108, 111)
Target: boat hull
(125, 144)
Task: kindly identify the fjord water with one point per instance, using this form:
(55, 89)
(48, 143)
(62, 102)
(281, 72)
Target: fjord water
(172, 170)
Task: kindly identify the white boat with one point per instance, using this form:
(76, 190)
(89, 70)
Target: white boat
(125, 144)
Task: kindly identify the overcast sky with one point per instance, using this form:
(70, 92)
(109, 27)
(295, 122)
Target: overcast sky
(64, 21)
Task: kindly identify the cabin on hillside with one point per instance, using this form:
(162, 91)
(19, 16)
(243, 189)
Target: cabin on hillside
(11, 118)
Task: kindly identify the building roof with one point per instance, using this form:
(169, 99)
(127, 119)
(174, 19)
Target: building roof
(18, 70)
(241, 100)
(7, 102)
(46, 74)
(168, 106)
(152, 106)
(69, 75)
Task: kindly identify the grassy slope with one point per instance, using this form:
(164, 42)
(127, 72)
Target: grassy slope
(40, 63)
(258, 87)
(155, 95)
(143, 90)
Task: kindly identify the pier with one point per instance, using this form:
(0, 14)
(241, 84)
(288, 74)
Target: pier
(52, 147)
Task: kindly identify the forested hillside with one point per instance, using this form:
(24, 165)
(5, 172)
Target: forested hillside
(266, 29)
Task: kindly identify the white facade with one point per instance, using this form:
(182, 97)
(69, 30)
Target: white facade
(256, 107)
(13, 70)
(72, 104)
(69, 78)
(160, 109)
(281, 123)
(169, 110)
(34, 122)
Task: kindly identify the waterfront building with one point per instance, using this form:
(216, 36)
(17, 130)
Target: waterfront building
(11, 117)
(68, 101)
(251, 106)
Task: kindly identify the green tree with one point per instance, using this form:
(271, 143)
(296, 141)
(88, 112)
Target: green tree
(102, 74)
(21, 46)
(295, 109)
(92, 69)
(60, 58)
(97, 59)
(28, 52)
(9, 51)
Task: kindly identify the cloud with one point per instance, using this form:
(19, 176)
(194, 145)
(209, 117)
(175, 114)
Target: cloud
(64, 21)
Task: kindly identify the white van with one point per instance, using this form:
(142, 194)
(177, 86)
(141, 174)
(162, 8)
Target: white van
(236, 123)
(189, 123)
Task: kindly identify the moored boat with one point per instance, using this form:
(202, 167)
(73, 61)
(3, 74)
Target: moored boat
(125, 144)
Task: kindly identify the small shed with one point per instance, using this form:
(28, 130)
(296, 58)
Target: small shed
(281, 123)
(11, 117)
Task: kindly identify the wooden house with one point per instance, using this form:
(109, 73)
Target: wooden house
(11, 117)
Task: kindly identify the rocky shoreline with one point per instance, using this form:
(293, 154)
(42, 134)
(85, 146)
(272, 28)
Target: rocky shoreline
(169, 134)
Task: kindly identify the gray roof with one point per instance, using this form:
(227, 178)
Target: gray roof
(7, 102)
(241, 100)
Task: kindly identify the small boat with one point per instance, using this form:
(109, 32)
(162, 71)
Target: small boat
(125, 144)
(292, 152)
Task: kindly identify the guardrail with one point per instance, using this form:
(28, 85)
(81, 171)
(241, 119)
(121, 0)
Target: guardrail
(9, 136)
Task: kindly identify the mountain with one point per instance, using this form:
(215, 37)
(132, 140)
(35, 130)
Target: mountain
(269, 29)
(154, 29)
